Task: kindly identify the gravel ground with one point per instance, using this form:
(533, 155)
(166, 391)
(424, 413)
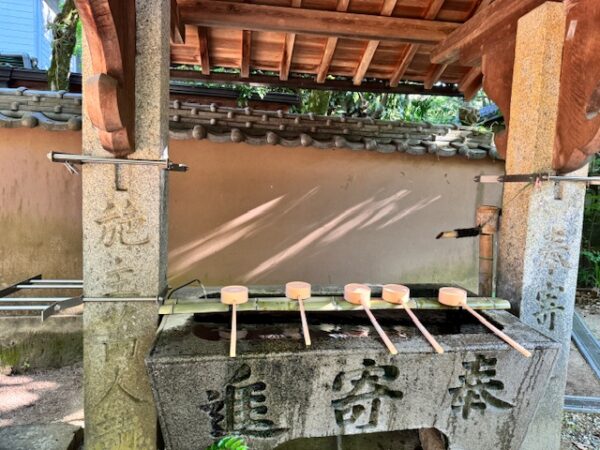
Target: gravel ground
(581, 431)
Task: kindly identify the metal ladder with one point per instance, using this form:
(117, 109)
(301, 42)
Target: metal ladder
(45, 306)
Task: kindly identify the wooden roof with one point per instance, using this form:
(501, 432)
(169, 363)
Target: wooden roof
(358, 40)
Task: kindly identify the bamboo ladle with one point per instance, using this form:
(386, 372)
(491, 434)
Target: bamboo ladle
(300, 291)
(234, 295)
(360, 294)
(400, 295)
(450, 296)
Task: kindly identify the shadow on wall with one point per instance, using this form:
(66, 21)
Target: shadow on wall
(267, 215)
(307, 240)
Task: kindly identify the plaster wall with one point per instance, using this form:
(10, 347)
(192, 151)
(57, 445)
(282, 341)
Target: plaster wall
(245, 214)
(40, 206)
(268, 215)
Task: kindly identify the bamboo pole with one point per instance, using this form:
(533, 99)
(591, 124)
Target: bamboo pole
(487, 220)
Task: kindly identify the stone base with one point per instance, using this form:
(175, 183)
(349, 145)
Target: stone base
(480, 393)
(56, 436)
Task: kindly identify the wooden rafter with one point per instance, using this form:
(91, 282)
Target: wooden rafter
(481, 27)
(245, 54)
(288, 49)
(435, 73)
(468, 79)
(177, 26)
(386, 10)
(309, 83)
(342, 6)
(407, 56)
(254, 17)
(471, 90)
(203, 50)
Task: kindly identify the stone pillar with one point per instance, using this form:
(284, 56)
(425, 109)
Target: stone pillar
(541, 225)
(124, 253)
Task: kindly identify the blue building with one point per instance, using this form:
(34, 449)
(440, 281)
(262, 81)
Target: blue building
(24, 29)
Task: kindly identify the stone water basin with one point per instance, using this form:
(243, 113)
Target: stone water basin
(479, 393)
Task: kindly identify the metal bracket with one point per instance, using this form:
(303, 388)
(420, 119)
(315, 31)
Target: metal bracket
(69, 159)
(55, 308)
(17, 286)
(534, 177)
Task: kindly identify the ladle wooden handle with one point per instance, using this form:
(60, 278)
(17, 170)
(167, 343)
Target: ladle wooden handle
(232, 344)
(304, 323)
(437, 347)
(384, 337)
(518, 347)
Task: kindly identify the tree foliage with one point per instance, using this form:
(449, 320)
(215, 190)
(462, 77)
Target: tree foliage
(64, 40)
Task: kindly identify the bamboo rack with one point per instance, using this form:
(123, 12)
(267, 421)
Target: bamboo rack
(317, 304)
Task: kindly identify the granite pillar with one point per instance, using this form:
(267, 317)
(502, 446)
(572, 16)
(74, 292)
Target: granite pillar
(540, 232)
(124, 253)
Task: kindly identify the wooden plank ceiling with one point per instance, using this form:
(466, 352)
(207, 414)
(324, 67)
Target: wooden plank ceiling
(327, 40)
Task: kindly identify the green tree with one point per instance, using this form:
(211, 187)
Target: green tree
(64, 40)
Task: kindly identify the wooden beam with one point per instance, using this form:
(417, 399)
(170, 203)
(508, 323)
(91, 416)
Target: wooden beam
(431, 13)
(288, 49)
(497, 66)
(471, 90)
(342, 6)
(227, 14)
(246, 50)
(434, 75)
(109, 27)
(578, 126)
(468, 78)
(482, 26)
(177, 26)
(203, 50)
(308, 83)
(386, 10)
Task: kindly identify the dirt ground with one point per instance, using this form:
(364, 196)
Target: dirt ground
(42, 397)
(56, 395)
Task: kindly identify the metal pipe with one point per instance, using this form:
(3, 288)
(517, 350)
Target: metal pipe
(24, 308)
(56, 281)
(49, 286)
(86, 159)
(33, 299)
